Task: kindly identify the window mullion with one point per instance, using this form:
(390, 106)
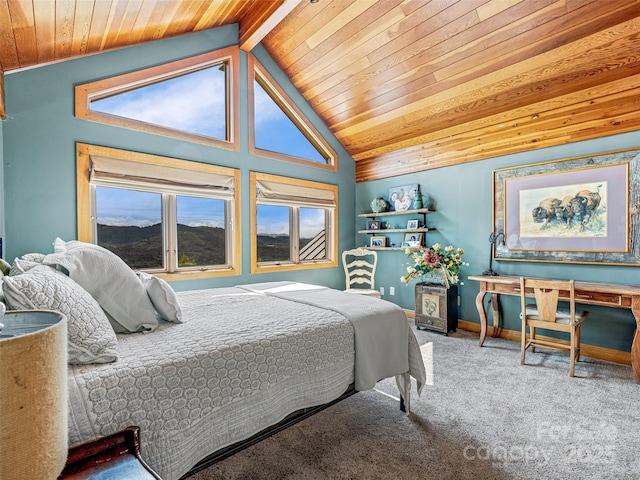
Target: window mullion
(294, 222)
(230, 226)
(329, 220)
(170, 229)
(93, 215)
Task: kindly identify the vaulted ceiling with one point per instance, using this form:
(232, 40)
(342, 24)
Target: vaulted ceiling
(405, 85)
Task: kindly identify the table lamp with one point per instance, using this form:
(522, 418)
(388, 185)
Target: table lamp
(493, 238)
(33, 395)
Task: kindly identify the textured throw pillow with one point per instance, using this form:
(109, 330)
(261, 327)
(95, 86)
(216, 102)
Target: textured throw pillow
(20, 265)
(162, 297)
(33, 257)
(109, 280)
(90, 336)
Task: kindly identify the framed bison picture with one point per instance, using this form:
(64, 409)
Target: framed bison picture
(576, 210)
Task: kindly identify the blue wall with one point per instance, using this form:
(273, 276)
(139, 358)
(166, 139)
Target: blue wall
(1, 183)
(41, 132)
(462, 198)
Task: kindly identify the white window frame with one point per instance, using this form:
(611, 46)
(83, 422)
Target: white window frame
(331, 231)
(86, 206)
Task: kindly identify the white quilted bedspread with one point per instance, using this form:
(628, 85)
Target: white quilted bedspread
(241, 362)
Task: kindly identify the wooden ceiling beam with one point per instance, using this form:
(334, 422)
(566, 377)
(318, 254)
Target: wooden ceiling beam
(254, 28)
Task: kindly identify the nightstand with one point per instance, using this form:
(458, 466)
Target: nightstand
(436, 307)
(115, 456)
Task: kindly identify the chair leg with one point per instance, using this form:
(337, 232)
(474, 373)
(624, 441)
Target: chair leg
(532, 337)
(578, 343)
(523, 341)
(573, 353)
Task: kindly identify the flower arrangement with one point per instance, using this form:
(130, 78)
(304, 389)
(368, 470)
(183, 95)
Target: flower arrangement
(435, 260)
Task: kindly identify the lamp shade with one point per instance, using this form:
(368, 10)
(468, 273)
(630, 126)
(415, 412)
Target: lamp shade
(33, 395)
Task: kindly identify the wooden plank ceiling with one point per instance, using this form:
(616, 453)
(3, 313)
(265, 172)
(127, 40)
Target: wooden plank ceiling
(405, 85)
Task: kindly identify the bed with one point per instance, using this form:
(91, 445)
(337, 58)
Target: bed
(237, 361)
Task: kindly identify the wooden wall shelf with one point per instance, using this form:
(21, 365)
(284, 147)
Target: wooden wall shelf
(384, 231)
(396, 230)
(401, 212)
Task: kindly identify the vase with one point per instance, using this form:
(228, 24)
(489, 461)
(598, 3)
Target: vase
(378, 205)
(417, 204)
(422, 200)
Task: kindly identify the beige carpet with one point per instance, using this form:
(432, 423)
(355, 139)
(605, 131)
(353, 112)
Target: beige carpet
(485, 417)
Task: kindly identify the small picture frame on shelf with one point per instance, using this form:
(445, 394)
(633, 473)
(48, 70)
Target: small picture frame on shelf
(402, 198)
(412, 240)
(373, 224)
(412, 224)
(378, 242)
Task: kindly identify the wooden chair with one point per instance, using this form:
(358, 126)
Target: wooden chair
(544, 313)
(360, 269)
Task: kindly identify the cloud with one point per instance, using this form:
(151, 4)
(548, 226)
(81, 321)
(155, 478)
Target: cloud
(273, 228)
(266, 110)
(204, 223)
(193, 103)
(312, 222)
(125, 222)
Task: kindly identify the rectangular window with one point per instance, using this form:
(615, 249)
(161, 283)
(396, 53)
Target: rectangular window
(166, 216)
(274, 239)
(312, 239)
(129, 223)
(294, 223)
(201, 231)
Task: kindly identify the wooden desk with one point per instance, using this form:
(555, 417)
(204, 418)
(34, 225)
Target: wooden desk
(589, 293)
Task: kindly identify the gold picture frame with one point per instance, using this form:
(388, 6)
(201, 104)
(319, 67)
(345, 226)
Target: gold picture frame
(412, 240)
(378, 241)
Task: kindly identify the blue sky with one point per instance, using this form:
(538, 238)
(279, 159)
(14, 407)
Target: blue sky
(276, 132)
(191, 103)
(196, 103)
(120, 207)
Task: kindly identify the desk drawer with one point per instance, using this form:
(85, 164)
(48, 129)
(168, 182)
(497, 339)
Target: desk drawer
(605, 299)
(588, 297)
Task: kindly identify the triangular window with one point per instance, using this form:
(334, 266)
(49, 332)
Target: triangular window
(278, 129)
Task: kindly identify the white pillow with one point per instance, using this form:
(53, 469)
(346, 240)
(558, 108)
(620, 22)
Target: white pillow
(90, 336)
(162, 297)
(20, 266)
(33, 257)
(109, 280)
